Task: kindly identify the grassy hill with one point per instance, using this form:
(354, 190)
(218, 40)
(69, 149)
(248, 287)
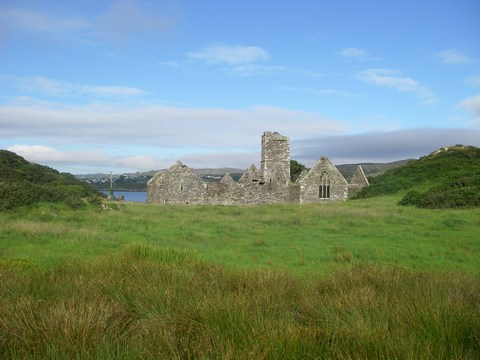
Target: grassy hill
(25, 183)
(447, 178)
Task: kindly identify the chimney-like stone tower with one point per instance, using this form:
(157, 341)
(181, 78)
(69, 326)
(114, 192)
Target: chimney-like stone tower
(275, 163)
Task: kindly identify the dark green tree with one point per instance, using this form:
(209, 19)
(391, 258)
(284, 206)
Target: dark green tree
(295, 170)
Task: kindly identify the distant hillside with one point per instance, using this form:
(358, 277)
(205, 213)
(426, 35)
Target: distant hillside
(221, 171)
(447, 178)
(370, 169)
(138, 181)
(25, 183)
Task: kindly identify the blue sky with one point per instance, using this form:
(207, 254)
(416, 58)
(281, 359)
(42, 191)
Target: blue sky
(132, 85)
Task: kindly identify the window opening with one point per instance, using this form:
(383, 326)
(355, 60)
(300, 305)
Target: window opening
(324, 188)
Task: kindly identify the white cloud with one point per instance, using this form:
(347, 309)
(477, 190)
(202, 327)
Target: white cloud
(256, 70)
(393, 79)
(81, 161)
(472, 105)
(241, 160)
(329, 92)
(244, 61)
(168, 63)
(46, 154)
(230, 54)
(36, 21)
(474, 80)
(353, 53)
(128, 19)
(265, 70)
(55, 158)
(165, 126)
(120, 24)
(109, 90)
(40, 84)
(454, 57)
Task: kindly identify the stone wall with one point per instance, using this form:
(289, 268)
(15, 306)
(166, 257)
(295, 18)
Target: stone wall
(246, 193)
(271, 185)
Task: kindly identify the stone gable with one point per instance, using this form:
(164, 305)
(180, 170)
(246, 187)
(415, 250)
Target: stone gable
(251, 176)
(359, 181)
(323, 183)
(178, 185)
(227, 180)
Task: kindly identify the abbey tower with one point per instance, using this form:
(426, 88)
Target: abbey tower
(275, 163)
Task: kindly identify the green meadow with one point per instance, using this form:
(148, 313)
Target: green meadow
(301, 239)
(360, 279)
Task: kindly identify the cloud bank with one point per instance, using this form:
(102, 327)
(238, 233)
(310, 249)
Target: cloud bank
(341, 149)
(91, 161)
(381, 146)
(158, 125)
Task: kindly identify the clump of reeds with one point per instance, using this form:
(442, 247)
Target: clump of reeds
(155, 303)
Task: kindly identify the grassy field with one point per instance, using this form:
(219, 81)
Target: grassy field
(360, 279)
(301, 239)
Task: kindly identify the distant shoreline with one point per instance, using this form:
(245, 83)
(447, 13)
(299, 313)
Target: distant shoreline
(129, 195)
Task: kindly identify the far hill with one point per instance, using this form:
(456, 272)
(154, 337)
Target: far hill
(370, 169)
(25, 183)
(447, 178)
(138, 181)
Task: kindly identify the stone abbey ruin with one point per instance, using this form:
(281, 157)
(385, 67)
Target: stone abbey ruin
(323, 183)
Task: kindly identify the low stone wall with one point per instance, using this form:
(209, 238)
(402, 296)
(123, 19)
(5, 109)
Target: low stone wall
(242, 194)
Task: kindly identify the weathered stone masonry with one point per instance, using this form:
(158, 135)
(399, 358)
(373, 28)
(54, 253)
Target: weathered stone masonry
(271, 185)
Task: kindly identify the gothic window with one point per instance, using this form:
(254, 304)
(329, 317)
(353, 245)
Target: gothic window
(324, 188)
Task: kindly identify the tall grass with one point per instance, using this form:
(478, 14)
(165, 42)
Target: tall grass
(361, 279)
(147, 302)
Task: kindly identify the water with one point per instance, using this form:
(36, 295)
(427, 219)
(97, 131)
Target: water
(135, 196)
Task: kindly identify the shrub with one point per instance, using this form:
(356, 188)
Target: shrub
(444, 179)
(23, 183)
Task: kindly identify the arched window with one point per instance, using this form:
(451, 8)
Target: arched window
(324, 188)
